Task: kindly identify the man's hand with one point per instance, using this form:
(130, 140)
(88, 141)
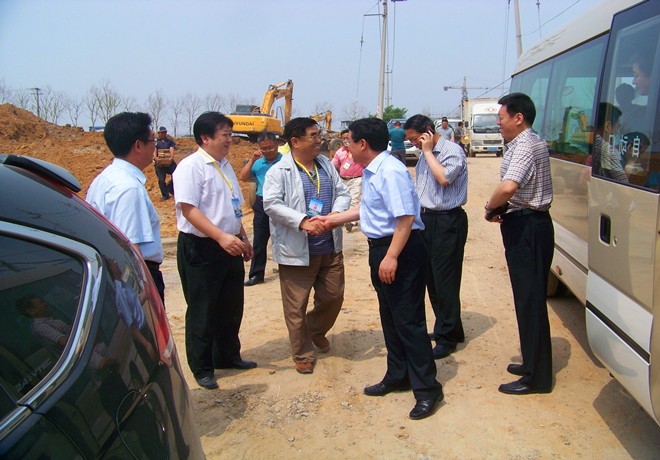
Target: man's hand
(387, 269)
(327, 221)
(231, 244)
(256, 155)
(497, 219)
(313, 227)
(426, 140)
(248, 254)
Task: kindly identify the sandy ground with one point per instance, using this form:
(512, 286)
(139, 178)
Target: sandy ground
(274, 412)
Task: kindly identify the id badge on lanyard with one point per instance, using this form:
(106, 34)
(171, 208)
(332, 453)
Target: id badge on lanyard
(315, 207)
(238, 212)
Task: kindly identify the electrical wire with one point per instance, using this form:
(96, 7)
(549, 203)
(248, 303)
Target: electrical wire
(550, 20)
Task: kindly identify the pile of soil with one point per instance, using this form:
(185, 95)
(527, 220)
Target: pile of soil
(85, 154)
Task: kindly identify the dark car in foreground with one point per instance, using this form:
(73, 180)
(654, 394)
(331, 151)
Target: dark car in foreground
(88, 366)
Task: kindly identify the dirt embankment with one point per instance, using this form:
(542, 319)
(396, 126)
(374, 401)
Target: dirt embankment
(85, 154)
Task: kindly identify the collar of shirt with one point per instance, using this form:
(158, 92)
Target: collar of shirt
(376, 162)
(130, 169)
(279, 157)
(209, 159)
(519, 138)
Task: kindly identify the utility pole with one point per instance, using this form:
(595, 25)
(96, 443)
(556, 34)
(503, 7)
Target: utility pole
(36, 95)
(518, 33)
(383, 46)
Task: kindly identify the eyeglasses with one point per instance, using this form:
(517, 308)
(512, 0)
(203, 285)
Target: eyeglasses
(311, 136)
(154, 140)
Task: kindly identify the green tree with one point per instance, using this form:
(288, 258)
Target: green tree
(392, 112)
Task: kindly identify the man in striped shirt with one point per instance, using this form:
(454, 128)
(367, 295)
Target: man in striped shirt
(441, 184)
(528, 237)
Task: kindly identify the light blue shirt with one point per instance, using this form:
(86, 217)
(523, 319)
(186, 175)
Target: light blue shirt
(432, 194)
(259, 170)
(119, 194)
(388, 192)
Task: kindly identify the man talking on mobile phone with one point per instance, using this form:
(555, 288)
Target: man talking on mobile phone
(441, 184)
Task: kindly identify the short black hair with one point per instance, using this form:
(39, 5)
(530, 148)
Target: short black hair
(208, 123)
(122, 130)
(297, 127)
(266, 136)
(372, 130)
(519, 103)
(343, 131)
(607, 112)
(420, 123)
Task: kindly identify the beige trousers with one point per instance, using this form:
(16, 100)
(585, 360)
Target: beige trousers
(325, 274)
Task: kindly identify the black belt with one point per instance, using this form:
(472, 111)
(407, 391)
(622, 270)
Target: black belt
(373, 242)
(152, 265)
(353, 177)
(434, 211)
(523, 212)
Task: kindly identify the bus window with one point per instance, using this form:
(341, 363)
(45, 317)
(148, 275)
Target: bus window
(567, 127)
(534, 83)
(627, 143)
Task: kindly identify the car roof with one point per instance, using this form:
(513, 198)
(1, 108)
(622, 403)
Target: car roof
(43, 197)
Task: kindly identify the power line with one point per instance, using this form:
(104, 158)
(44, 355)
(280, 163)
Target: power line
(550, 20)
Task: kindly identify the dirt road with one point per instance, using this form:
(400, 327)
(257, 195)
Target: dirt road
(273, 412)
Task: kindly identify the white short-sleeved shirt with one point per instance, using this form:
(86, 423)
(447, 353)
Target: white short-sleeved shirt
(198, 182)
(119, 194)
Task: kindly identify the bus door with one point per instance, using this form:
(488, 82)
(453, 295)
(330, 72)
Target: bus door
(624, 206)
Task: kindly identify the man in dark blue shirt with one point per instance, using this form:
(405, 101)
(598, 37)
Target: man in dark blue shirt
(164, 163)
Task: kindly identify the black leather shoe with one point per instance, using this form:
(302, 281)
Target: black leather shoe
(207, 382)
(240, 364)
(254, 280)
(515, 369)
(517, 388)
(442, 351)
(381, 389)
(424, 408)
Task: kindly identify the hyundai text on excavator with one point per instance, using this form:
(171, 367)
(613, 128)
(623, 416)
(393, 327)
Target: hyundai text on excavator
(250, 120)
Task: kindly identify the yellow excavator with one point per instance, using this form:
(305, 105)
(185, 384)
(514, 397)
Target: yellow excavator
(330, 140)
(250, 120)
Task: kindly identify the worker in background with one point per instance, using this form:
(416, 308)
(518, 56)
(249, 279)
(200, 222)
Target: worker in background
(164, 165)
(441, 181)
(445, 130)
(398, 148)
(458, 134)
(350, 172)
(256, 168)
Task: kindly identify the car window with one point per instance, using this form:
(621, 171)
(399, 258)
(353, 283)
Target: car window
(40, 290)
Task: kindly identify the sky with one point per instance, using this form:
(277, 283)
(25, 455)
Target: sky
(328, 48)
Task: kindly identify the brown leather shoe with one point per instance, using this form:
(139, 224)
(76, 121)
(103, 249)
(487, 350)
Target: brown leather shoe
(305, 368)
(322, 343)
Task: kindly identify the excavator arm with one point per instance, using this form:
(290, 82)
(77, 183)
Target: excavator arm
(274, 92)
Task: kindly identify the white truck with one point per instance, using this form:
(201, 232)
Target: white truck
(483, 134)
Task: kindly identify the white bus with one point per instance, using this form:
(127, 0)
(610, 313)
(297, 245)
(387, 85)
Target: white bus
(595, 84)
